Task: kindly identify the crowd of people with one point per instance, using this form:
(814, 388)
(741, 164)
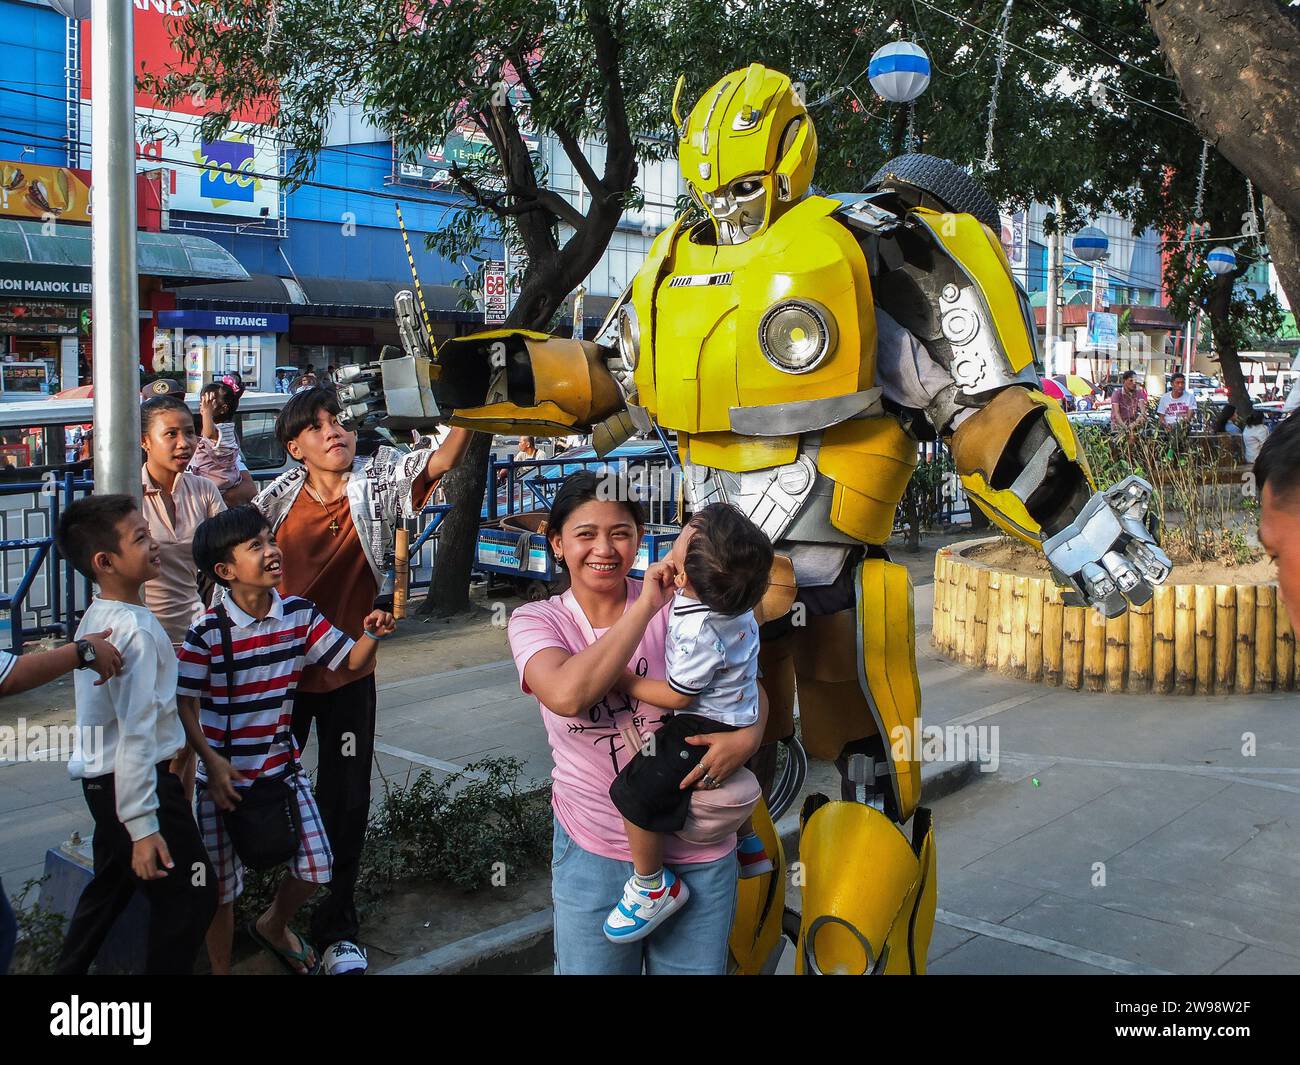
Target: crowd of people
(224, 630)
(1131, 412)
(218, 636)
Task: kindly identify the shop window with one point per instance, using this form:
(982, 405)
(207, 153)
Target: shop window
(262, 449)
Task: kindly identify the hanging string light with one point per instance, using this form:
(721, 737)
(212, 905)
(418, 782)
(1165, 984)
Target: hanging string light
(1004, 25)
(1200, 182)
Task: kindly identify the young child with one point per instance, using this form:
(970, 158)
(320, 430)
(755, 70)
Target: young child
(722, 561)
(272, 640)
(216, 452)
(145, 836)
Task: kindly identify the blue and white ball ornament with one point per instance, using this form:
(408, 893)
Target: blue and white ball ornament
(899, 72)
(1090, 244)
(1221, 261)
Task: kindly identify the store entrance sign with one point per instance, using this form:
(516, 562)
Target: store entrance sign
(51, 282)
(224, 321)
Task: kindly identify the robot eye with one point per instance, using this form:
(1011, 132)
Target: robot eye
(746, 188)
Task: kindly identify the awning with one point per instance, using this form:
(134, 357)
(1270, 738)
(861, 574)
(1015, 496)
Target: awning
(325, 297)
(179, 257)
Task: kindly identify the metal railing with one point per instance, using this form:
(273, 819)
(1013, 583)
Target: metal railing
(42, 593)
(652, 478)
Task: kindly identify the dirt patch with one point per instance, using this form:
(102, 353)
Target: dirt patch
(1012, 556)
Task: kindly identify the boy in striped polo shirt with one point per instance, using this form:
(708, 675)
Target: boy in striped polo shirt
(242, 731)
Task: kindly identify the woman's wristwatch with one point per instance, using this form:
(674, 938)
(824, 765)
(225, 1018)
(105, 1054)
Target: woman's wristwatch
(85, 654)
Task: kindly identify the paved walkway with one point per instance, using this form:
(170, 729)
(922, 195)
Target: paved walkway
(1119, 834)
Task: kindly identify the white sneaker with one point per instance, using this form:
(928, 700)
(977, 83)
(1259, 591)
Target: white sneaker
(640, 912)
(344, 958)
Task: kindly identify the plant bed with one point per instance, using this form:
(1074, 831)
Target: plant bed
(1213, 629)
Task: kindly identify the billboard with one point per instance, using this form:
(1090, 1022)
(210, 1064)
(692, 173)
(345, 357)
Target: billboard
(44, 193)
(217, 177)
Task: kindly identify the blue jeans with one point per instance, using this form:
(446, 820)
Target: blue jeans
(585, 887)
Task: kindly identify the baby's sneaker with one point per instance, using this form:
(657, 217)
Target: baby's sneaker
(752, 857)
(641, 911)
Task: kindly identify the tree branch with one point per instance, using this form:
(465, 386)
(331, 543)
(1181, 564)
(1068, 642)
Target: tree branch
(620, 154)
(1238, 64)
(572, 148)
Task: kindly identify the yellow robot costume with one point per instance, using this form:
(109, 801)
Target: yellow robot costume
(799, 346)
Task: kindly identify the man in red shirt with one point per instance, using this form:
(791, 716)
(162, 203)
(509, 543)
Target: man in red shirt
(1128, 403)
(335, 527)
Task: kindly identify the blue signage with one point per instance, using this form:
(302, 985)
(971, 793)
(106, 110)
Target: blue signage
(223, 321)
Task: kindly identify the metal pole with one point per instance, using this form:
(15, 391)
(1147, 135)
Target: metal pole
(114, 288)
(1053, 284)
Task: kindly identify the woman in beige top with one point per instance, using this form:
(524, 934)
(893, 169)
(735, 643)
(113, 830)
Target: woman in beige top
(175, 502)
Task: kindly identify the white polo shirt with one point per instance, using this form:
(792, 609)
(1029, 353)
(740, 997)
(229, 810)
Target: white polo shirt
(714, 659)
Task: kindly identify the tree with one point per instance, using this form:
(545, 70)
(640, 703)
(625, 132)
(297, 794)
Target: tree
(1238, 63)
(603, 70)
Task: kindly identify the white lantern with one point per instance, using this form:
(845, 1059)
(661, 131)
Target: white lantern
(899, 72)
(1221, 261)
(1090, 244)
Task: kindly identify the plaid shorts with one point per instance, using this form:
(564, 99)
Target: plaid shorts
(312, 864)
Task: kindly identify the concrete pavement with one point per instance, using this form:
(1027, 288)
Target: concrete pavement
(1118, 834)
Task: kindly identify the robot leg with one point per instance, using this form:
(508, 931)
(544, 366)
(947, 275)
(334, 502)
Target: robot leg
(869, 887)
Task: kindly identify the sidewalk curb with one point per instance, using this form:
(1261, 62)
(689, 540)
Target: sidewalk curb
(524, 945)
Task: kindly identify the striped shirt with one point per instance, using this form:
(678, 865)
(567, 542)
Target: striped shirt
(269, 654)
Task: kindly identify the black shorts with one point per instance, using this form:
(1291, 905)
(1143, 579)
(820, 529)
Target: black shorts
(648, 789)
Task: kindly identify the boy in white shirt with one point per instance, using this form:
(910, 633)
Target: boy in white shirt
(128, 734)
(722, 562)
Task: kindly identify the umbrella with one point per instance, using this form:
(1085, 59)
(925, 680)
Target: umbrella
(1053, 388)
(1074, 384)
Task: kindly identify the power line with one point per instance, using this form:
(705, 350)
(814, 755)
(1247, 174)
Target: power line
(1058, 63)
(1088, 40)
(338, 149)
(279, 179)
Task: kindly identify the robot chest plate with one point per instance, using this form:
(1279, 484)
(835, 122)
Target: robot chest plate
(700, 351)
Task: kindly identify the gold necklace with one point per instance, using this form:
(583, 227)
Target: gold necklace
(329, 510)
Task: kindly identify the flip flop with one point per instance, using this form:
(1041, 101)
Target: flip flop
(287, 957)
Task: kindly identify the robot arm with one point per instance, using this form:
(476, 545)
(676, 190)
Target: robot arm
(498, 381)
(960, 347)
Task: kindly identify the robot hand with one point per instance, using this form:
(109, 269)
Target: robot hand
(1106, 556)
(396, 391)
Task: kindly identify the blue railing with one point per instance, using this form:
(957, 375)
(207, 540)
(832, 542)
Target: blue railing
(45, 596)
(40, 569)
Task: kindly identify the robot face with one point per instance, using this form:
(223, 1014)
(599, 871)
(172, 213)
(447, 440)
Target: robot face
(747, 150)
(740, 208)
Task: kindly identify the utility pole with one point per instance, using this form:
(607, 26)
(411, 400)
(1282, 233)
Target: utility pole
(1049, 325)
(1055, 263)
(115, 296)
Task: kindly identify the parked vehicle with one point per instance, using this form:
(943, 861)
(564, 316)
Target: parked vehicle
(37, 436)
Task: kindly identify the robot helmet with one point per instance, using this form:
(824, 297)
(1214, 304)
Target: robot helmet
(747, 150)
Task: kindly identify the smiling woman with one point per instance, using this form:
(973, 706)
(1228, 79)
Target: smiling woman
(175, 503)
(570, 651)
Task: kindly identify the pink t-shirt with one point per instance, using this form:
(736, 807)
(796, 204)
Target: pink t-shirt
(589, 749)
